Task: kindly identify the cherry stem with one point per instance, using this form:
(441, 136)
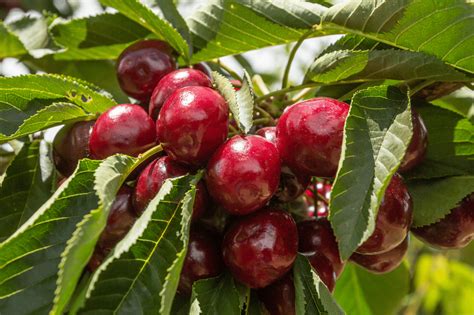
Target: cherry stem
(264, 112)
(284, 83)
(145, 156)
(263, 121)
(286, 91)
(227, 69)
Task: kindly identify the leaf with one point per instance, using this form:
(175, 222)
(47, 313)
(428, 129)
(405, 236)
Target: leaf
(26, 187)
(215, 296)
(440, 28)
(434, 199)
(228, 27)
(23, 97)
(142, 272)
(346, 66)
(360, 292)
(241, 102)
(376, 134)
(29, 258)
(460, 102)
(172, 15)
(312, 297)
(138, 12)
(10, 44)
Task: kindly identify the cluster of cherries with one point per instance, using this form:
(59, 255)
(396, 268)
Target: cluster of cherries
(247, 178)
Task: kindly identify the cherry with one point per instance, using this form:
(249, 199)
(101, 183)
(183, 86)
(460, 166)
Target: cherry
(316, 237)
(456, 230)
(291, 185)
(279, 297)
(416, 151)
(384, 262)
(141, 66)
(192, 124)
(173, 81)
(153, 177)
(70, 145)
(203, 260)
(98, 256)
(243, 174)
(124, 128)
(204, 68)
(309, 136)
(393, 219)
(260, 248)
(268, 133)
(324, 269)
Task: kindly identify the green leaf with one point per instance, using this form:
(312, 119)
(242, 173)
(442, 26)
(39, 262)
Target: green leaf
(460, 102)
(346, 66)
(26, 187)
(241, 102)
(434, 199)
(312, 297)
(23, 97)
(360, 292)
(138, 12)
(377, 132)
(10, 44)
(440, 28)
(142, 272)
(29, 258)
(172, 15)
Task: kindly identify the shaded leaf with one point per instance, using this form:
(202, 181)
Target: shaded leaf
(10, 44)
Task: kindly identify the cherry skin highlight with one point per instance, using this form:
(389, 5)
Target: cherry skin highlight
(142, 65)
(279, 297)
(309, 136)
(260, 248)
(173, 81)
(384, 262)
(124, 128)
(192, 124)
(393, 219)
(243, 174)
(268, 133)
(456, 230)
(416, 150)
(70, 145)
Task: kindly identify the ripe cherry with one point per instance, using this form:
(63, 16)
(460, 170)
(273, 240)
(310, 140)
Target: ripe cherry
(243, 174)
(70, 145)
(153, 177)
(309, 136)
(260, 248)
(142, 65)
(192, 124)
(324, 269)
(204, 68)
(291, 186)
(173, 81)
(268, 133)
(393, 219)
(279, 297)
(417, 149)
(456, 230)
(203, 259)
(384, 262)
(124, 128)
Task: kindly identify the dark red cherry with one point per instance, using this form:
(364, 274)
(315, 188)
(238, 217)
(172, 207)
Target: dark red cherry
(317, 237)
(309, 136)
(124, 128)
(203, 259)
(260, 248)
(324, 269)
(279, 297)
(384, 262)
(204, 68)
(393, 219)
(268, 133)
(98, 256)
(416, 151)
(70, 145)
(142, 65)
(192, 124)
(173, 81)
(291, 185)
(243, 174)
(456, 230)
(152, 178)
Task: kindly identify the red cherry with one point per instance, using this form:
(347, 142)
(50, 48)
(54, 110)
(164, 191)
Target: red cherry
(324, 269)
(243, 174)
(204, 68)
(70, 145)
(279, 297)
(268, 133)
(384, 262)
(309, 136)
(192, 124)
(142, 65)
(291, 185)
(416, 151)
(124, 128)
(317, 237)
(393, 219)
(98, 256)
(203, 260)
(153, 177)
(173, 81)
(260, 248)
(456, 230)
